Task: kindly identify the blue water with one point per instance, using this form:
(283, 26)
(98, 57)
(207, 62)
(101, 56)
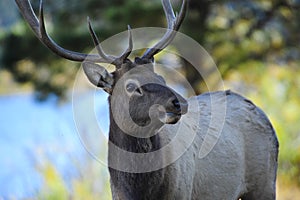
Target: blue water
(33, 133)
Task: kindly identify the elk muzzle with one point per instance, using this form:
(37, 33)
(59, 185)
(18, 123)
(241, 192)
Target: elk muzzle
(174, 109)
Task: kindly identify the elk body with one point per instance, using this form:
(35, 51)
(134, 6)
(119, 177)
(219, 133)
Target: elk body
(240, 154)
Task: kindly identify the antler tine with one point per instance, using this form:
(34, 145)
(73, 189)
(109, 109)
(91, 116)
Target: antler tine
(29, 16)
(102, 54)
(128, 51)
(174, 23)
(169, 12)
(117, 61)
(38, 27)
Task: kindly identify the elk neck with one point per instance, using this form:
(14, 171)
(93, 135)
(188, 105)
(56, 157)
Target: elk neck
(133, 186)
(130, 143)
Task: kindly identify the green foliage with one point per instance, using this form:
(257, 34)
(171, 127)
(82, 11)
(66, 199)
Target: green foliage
(54, 186)
(91, 184)
(232, 31)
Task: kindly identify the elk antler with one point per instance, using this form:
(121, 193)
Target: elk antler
(174, 22)
(111, 59)
(37, 24)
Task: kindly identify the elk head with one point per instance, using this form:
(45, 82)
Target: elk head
(135, 89)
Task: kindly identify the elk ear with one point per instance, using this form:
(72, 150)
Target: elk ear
(98, 76)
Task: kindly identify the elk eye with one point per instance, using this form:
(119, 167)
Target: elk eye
(133, 88)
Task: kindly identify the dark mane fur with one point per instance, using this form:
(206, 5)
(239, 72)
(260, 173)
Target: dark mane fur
(151, 185)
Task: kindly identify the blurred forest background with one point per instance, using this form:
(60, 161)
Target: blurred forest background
(255, 44)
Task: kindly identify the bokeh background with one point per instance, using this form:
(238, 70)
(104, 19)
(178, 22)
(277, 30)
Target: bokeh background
(255, 45)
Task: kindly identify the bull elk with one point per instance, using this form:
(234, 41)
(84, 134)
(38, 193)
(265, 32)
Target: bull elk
(146, 116)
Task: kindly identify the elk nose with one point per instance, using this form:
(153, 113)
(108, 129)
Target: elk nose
(176, 104)
(180, 107)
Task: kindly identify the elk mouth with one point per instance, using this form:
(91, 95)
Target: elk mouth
(170, 117)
